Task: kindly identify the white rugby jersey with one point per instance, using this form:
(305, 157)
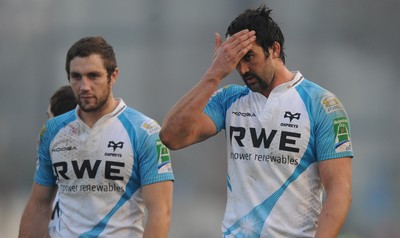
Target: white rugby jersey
(273, 146)
(99, 171)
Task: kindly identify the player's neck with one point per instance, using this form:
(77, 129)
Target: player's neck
(283, 75)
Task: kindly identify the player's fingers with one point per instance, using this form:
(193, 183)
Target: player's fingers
(227, 54)
(245, 40)
(218, 41)
(217, 44)
(237, 35)
(240, 37)
(245, 46)
(240, 43)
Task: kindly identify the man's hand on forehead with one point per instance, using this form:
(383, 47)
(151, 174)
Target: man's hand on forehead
(227, 54)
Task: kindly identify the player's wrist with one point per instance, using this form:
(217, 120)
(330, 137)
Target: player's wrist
(213, 77)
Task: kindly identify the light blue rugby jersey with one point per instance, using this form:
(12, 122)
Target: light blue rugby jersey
(273, 144)
(100, 170)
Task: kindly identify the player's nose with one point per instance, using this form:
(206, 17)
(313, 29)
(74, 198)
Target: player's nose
(242, 68)
(85, 84)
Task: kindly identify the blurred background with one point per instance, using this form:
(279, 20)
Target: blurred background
(163, 48)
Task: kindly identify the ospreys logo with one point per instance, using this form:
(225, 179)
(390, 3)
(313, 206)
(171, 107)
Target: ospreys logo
(292, 116)
(115, 145)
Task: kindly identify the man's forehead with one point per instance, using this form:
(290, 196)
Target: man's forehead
(89, 63)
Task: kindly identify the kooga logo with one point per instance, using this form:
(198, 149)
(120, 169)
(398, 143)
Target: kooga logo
(244, 114)
(68, 148)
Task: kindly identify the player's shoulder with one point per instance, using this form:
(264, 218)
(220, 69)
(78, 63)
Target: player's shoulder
(60, 121)
(326, 100)
(139, 121)
(314, 90)
(55, 124)
(230, 92)
(135, 116)
(311, 86)
(233, 89)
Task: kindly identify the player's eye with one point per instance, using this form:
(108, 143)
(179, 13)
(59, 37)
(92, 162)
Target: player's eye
(75, 76)
(93, 75)
(248, 57)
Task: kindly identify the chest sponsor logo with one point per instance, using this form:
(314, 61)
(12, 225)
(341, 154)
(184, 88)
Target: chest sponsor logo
(65, 148)
(263, 139)
(270, 158)
(85, 176)
(244, 114)
(250, 137)
(89, 169)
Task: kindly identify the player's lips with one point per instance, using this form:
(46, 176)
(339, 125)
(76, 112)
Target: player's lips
(250, 79)
(85, 96)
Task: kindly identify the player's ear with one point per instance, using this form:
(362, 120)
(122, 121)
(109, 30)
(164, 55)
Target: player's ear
(276, 49)
(114, 76)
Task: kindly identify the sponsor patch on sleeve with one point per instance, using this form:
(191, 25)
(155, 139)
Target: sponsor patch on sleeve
(219, 90)
(342, 135)
(216, 92)
(164, 159)
(151, 127)
(41, 133)
(331, 104)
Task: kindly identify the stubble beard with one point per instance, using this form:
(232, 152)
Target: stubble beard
(98, 105)
(260, 85)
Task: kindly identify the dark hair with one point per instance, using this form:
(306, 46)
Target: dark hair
(92, 45)
(259, 20)
(63, 100)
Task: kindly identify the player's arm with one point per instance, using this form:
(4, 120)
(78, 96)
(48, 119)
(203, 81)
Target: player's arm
(36, 216)
(185, 123)
(158, 201)
(336, 178)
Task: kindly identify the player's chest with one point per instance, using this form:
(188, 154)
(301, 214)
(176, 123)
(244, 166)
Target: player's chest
(280, 122)
(99, 153)
(283, 111)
